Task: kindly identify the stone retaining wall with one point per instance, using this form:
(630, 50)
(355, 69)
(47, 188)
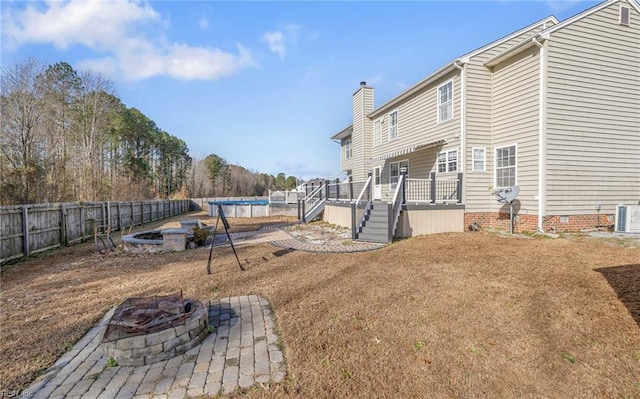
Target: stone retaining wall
(144, 349)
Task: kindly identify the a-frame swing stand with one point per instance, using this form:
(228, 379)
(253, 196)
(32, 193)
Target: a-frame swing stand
(225, 223)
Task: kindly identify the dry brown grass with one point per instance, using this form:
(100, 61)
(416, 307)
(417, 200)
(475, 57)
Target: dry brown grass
(448, 315)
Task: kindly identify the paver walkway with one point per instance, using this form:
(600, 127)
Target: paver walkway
(241, 351)
(281, 238)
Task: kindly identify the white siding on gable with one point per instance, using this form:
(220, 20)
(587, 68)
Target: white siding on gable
(593, 116)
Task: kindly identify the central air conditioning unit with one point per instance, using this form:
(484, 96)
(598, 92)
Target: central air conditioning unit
(627, 219)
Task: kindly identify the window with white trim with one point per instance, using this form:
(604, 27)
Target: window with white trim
(393, 125)
(347, 149)
(479, 159)
(394, 172)
(377, 132)
(445, 102)
(506, 166)
(448, 161)
(625, 16)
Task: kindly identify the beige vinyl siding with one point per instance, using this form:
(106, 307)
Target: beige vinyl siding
(478, 185)
(515, 121)
(361, 137)
(417, 120)
(367, 132)
(593, 114)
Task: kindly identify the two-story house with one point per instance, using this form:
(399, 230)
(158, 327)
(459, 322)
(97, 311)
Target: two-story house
(553, 108)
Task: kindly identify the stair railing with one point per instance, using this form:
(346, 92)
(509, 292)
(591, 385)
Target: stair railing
(355, 228)
(307, 206)
(398, 201)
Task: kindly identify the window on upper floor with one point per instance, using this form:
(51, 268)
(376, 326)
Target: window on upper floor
(445, 102)
(479, 159)
(347, 149)
(448, 161)
(377, 132)
(393, 125)
(506, 166)
(394, 172)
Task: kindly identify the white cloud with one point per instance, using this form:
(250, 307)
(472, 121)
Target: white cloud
(275, 40)
(115, 30)
(279, 40)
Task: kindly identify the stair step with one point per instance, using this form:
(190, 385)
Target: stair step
(377, 225)
(373, 237)
(376, 216)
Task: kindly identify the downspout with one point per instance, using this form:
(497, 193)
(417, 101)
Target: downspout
(463, 113)
(541, 136)
(463, 123)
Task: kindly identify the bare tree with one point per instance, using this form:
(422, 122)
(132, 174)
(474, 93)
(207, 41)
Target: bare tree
(21, 133)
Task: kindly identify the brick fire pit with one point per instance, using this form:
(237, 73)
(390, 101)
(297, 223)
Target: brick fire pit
(144, 331)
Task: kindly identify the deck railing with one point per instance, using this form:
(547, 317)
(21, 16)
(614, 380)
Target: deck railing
(435, 190)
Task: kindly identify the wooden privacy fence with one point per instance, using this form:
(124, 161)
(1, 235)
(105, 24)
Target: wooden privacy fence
(29, 229)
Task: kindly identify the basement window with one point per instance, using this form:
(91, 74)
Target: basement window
(624, 16)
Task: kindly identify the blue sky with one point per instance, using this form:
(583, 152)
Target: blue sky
(261, 84)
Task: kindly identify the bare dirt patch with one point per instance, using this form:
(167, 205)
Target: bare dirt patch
(447, 315)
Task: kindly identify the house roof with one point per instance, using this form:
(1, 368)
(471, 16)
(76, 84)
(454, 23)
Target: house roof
(546, 34)
(510, 52)
(452, 66)
(343, 134)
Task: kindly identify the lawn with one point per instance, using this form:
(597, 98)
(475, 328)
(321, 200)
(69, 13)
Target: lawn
(446, 315)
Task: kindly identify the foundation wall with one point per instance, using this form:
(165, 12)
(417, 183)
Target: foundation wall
(550, 224)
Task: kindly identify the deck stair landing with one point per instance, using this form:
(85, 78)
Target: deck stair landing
(375, 226)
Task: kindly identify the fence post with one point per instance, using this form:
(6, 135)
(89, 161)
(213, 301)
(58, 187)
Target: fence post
(108, 214)
(326, 189)
(371, 184)
(337, 189)
(25, 231)
(433, 187)
(64, 240)
(119, 216)
(459, 189)
(350, 188)
(82, 223)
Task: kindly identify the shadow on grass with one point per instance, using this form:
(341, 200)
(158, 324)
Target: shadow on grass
(625, 281)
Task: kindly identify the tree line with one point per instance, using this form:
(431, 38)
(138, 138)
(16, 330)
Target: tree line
(66, 136)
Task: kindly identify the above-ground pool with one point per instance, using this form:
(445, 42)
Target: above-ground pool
(250, 207)
(240, 202)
